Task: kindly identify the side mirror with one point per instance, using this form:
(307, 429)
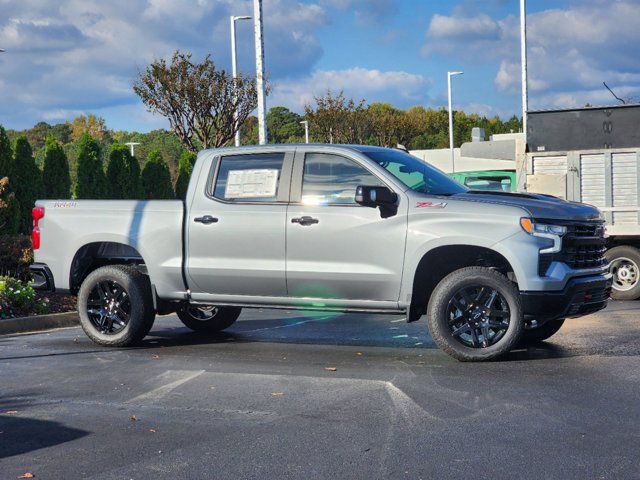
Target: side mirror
(375, 196)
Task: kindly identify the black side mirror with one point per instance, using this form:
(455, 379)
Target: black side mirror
(374, 197)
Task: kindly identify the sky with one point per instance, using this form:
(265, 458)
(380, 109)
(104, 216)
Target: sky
(69, 57)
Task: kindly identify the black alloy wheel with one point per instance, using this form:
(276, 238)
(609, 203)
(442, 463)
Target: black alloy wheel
(109, 307)
(478, 316)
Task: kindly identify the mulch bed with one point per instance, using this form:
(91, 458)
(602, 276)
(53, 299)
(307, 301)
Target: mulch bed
(58, 302)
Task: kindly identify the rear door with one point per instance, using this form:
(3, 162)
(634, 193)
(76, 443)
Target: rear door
(337, 249)
(236, 227)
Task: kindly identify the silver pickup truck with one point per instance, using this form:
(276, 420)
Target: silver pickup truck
(327, 227)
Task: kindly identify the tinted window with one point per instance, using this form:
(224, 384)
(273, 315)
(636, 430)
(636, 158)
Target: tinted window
(332, 179)
(249, 178)
(414, 173)
(501, 184)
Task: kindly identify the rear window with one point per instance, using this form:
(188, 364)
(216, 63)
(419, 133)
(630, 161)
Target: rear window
(249, 178)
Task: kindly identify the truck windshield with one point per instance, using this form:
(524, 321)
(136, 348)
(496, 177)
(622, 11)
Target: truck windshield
(414, 173)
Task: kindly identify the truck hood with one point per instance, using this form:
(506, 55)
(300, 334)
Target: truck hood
(538, 205)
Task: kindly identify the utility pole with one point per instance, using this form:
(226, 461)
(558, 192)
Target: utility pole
(131, 145)
(234, 66)
(453, 160)
(523, 64)
(262, 123)
(306, 130)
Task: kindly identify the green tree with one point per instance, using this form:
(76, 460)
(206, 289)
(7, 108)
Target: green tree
(284, 125)
(123, 173)
(185, 168)
(55, 172)
(6, 154)
(91, 182)
(26, 180)
(9, 209)
(156, 179)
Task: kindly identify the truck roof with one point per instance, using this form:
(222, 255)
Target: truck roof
(281, 146)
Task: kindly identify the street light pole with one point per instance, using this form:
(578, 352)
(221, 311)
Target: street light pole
(234, 65)
(453, 161)
(262, 123)
(523, 65)
(131, 145)
(306, 130)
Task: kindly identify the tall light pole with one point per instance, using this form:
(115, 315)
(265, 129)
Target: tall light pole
(306, 130)
(523, 64)
(453, 161)
(262, 122)
(234, 64)
(131, 145)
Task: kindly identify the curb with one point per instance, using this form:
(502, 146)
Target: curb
(38, 323)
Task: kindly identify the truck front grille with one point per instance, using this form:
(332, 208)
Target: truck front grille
(583, 246)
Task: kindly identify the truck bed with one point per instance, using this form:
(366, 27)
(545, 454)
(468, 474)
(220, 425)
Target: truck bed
(150, 230)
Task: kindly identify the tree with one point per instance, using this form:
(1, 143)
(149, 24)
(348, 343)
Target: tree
(9, 209)
(284, 125)
(26, 180)
(123, 174)
(94, 126)
(185, 168)
(91, 182)
(389, 125)
(335, 119)
(55, 171)
(199, 100)
(156, 179)
(6, 154)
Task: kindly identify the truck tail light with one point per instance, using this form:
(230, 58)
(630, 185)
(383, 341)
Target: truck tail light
(37, 213)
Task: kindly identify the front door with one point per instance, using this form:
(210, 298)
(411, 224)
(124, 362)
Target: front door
(236, 229)
(337, 249)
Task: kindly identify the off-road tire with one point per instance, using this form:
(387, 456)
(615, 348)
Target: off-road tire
(444, 292)
(142, 314)
(542, 333)
(222, 319)
(633, 254)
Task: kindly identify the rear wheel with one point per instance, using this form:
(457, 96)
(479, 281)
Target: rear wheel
(541, 333)
(208, 318)
(624, 265)
(115, 305)
(475, 314)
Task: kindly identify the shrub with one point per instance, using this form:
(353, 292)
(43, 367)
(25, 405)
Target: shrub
(9, 209)
(26, 181)
(156, 179)
(185, 168)
(6, 154)
(18, 299)
(91, 182)
(15, 256)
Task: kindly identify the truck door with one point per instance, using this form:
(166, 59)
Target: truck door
(236, 227)
(337, 249)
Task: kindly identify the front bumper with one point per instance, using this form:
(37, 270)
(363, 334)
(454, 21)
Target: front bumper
(581, 296)
(42, 277)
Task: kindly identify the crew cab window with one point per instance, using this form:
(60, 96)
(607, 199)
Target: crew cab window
(332, 179)
(249, 178)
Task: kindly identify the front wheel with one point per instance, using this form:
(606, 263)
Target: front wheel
(475, 314)
(624, 265)
(208, 318)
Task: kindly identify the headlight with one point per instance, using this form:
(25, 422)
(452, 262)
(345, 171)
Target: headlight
(544, 230)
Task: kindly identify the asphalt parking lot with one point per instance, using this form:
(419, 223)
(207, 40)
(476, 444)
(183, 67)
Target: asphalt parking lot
(303, 395)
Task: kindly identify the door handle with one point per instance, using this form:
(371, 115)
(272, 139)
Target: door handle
(207, 219)
(304, 221)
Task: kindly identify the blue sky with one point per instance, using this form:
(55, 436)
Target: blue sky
(66, 57)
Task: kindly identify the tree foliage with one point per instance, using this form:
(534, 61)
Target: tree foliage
(6, 154)
(199, 100)
(91, 182)
(156, 179)
(91, 124)
(56, 179)
(26, 179)
(9, 209)
(284, 125)
(123, 174)
(185, 168)
(338, 120)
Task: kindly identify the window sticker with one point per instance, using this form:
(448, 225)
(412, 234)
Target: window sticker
(256, 183)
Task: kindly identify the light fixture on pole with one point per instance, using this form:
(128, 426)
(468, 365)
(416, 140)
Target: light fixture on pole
(523, 65)
(131, 145)
(306, 130)
(234, 64)
(453, 161)
(262, 122)
(2, 50)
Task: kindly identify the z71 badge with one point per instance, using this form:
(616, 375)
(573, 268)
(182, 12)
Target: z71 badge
(431, 204)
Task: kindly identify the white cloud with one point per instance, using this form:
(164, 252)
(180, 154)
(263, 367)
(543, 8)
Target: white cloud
(571, 51)
(400, 88)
